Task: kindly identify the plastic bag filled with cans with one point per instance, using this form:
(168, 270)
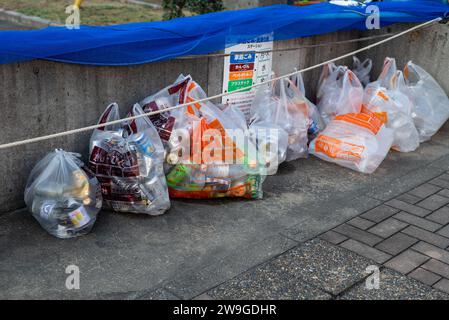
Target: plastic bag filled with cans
(128, 161)
(204, 157)
(63, 195)
(289, 112)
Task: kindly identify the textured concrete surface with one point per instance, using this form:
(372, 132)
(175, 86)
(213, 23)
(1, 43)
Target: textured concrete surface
(198, 245)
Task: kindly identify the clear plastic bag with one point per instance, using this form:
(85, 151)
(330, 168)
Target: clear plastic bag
(128, 162)
(316, 123)
(355, 140)
(362, 69)
(342, 93)
(387, 99)
(288, 113)
(63, 195)
(327, 70)
(431, 104)
(198, 174)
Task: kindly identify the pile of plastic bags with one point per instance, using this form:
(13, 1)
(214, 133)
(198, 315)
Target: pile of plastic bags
(204, 150)
(398, 110)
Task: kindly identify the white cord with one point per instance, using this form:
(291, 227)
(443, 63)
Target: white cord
(96, 126)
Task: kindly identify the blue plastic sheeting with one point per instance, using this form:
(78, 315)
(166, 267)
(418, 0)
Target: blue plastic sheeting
(137, 43)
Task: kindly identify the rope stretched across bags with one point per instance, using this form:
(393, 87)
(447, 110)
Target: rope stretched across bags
(96, 126)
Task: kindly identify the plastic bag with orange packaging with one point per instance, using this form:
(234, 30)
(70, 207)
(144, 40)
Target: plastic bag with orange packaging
(386, 98)
(357, 141)
(209, 159)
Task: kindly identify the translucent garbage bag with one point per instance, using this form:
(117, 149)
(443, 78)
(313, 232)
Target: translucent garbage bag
(355, 140)
(316, 123)
(342, 93)
(362, 69)
(215, 163)
(431, 104)
(270, 137)
(63, 195)
(388, 98)
(327, 70)
(289, 113)
(128, 162)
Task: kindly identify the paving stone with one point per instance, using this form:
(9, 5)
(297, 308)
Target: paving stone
(444, 231)
(379, 213)
(266, 282)
(396, 243)
(406, 197)
(440, 182)
(203, 296)
(417, 221)
(361, 223)
(159, 294)
(330, 268)
(444, 193)
(424, 276)
(388, 227)
(333, 237)
(424, 190)
(427, 236)
(433, 202)
(357, 234)
(407, 261)
(366, 251)
(437, 267)
(410, 208)
(432, 251)
(394, 286)
(441, 216)
(442, 285)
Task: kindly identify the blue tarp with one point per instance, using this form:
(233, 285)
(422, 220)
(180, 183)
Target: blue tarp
(136, 43)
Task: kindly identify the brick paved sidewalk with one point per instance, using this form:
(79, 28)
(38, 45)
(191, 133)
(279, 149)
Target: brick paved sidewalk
(409, 234)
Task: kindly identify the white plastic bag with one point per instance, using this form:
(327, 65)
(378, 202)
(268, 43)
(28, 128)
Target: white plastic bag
(387, 99)
(128, 162)
(362, 69)
(316, 123)
(288, 112)
(431, 104)
(265, 132)
(327, 70)
(342, 93)
(63, 195)
(355, 140)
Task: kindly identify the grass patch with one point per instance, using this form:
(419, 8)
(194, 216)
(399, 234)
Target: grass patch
(93, 12)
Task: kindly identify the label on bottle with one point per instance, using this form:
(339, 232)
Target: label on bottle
(79, 217)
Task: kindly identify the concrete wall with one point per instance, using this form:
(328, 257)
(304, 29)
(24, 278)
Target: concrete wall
(427, 47)
(41, 97)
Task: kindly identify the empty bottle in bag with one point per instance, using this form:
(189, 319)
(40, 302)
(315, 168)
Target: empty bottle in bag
(63, 195)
